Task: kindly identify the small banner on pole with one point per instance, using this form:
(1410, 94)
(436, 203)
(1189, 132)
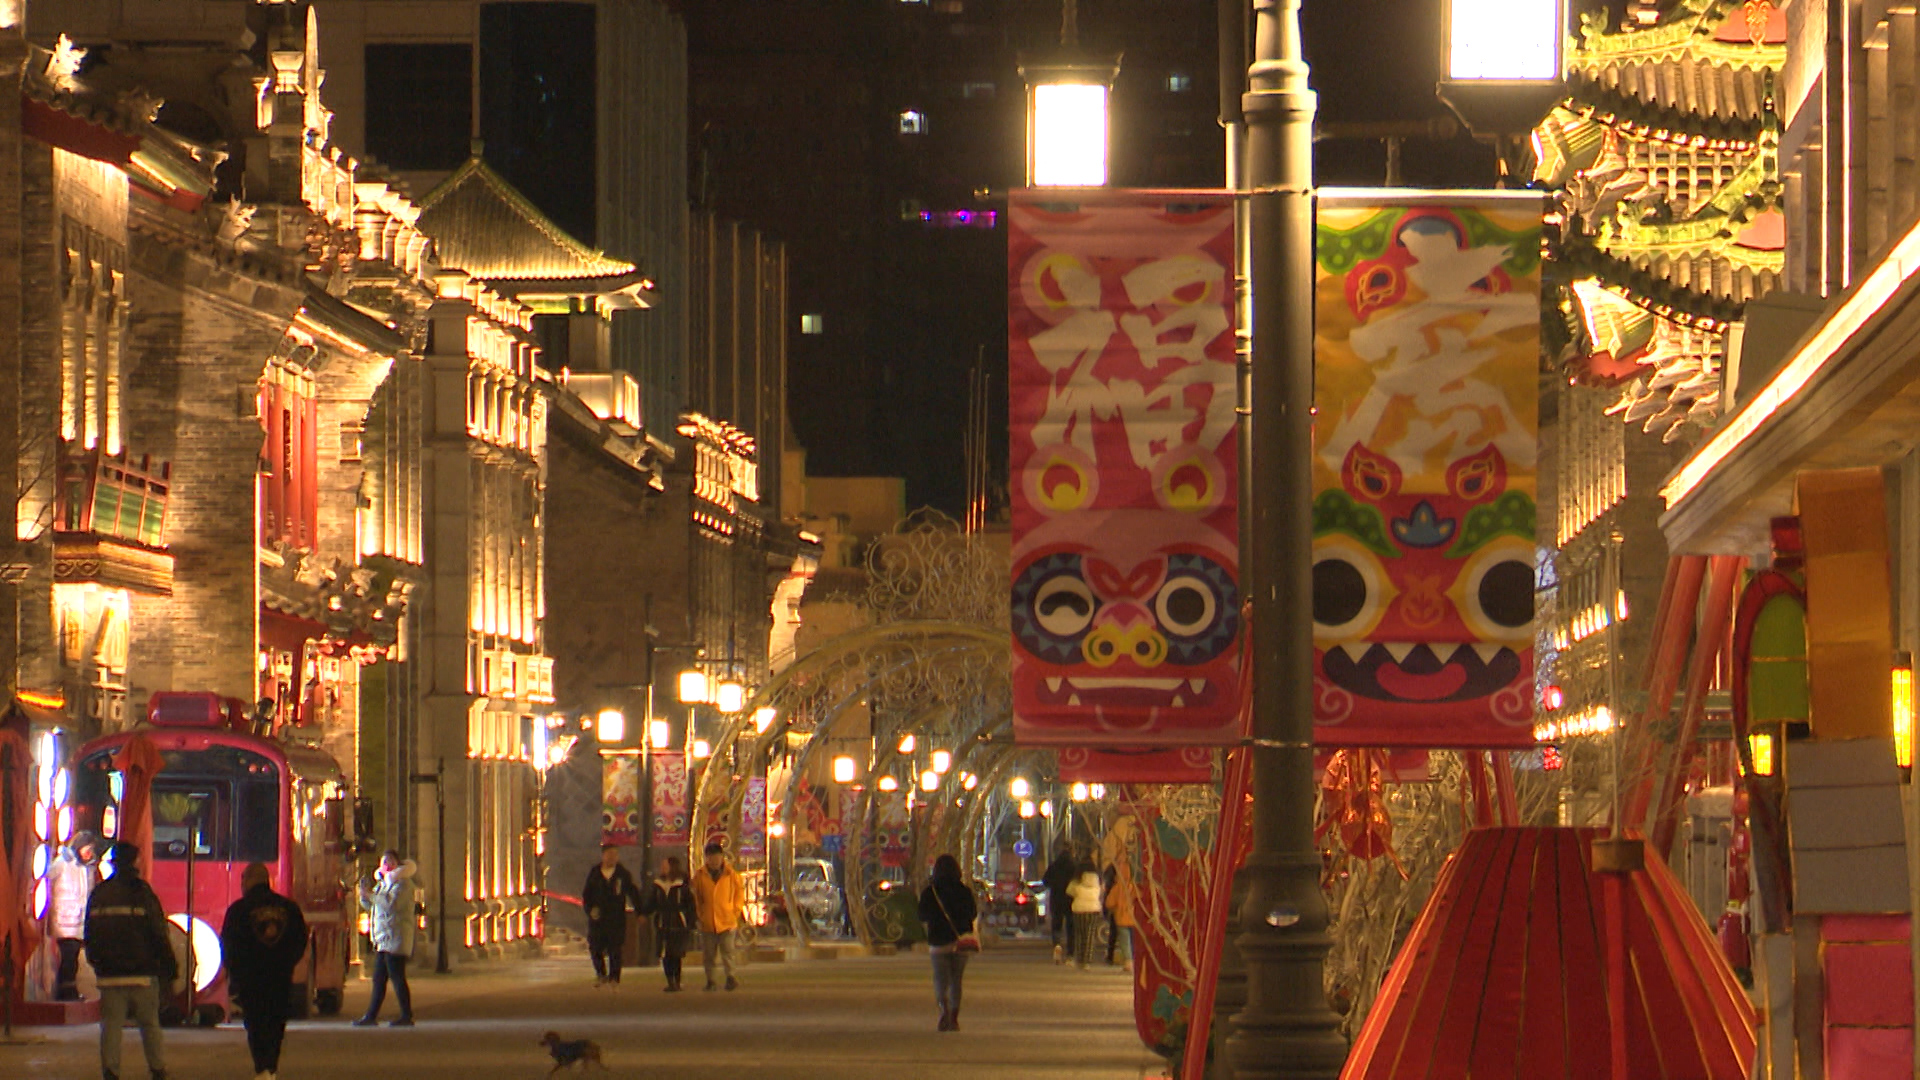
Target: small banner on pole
(620, 799)
(1126, 601)
(1427, 362)
(670, 816)
(753, 819)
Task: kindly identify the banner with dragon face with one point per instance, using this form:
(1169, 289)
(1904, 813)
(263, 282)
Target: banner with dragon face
(671, 816)
(1126, 603)
(620, 799)
(1427, 360)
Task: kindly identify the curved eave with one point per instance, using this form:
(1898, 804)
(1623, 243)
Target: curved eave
(1651, 291)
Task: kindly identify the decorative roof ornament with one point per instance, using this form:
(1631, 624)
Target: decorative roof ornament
(63, 67)
(1758, 13)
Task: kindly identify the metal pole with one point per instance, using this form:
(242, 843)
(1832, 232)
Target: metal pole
(1285, 1029)
(440, 965)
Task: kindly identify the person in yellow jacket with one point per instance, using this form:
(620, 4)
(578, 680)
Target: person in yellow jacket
(720, 896)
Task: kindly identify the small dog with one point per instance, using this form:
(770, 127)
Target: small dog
(570, 1052)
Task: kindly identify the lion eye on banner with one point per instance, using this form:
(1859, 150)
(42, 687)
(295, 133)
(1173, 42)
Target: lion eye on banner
(1426, 362)
(1126, 599)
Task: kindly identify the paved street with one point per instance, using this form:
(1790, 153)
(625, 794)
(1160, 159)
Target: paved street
(843, 1019)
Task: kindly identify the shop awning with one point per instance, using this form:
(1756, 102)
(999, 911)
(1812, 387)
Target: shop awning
(1846, 396)
(1504, 975)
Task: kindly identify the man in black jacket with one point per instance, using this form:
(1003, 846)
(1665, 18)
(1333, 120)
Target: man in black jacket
(126, 942)
(1059, 874)
(605, 896)
(261, 941)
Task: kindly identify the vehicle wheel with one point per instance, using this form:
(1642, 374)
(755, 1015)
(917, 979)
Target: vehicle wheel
(327, 1002)
(301, 1003)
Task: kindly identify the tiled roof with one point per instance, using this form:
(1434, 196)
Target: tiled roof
(480, 224)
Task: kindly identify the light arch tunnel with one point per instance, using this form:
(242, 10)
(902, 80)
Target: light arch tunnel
(959, 702)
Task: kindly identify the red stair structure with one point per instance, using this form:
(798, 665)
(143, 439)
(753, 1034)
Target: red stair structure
(1507, 974)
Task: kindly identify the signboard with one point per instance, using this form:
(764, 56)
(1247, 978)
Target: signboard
(1426, 389)
(1023, 848)
(1126, 602)
(753, 819)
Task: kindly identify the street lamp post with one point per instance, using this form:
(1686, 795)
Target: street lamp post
(1285, 1029)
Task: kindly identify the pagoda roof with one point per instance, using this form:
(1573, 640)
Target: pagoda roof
(1703, 58)
(481, 224)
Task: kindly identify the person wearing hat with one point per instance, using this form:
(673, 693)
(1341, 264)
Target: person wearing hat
(71, 880)
(720, 897)
(126, 942)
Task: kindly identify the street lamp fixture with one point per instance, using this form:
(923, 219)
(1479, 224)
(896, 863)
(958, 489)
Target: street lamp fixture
(763, 718)
(659, 733)
(730, 697)
(1019, 788)
(969, 781)
(888, 783)
(929, 781)
(942, 760)
(1504, 61)
(611, 725)
(907, 744)
(1046, 809)
(1026, 808)
(1067, 105)
(702, 749)
(693, 688)
(843, 769)
(1079, 792)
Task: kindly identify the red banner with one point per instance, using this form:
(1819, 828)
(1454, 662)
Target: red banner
(1126, 603)
(671, 817)
(620, 800)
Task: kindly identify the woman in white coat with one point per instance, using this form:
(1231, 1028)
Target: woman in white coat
(1088, 913)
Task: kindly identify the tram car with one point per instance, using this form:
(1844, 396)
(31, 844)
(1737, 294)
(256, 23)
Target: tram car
(223, 798)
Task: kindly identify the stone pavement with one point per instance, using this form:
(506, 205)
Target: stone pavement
(847, 1019)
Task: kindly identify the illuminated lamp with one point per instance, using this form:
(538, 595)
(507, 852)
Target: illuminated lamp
(929, 781)
(1079, 791)
(1019, 788)
(1099, 791)
(1502, 62)
(693, 688)
(66, 823)
(1761, 744)
(1046, 809)
(843, 770)
(206, 948)
(888, 783)
(942, 760)
(1026, 808)
(43, 822)
(612, 725)
(763, 718)
(1903, 710)
(658, 733)
(969, 781)
(730, 697)
(40, 899)
(702, 749)
(907, 744)
(42, 857)
(1552, 698)
(776, 829)
(1067, 104)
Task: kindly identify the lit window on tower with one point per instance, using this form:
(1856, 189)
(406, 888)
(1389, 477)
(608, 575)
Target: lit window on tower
(813, 324)
(913, 122)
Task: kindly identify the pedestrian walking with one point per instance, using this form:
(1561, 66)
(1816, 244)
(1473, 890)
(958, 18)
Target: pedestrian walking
(1120, 917)
(261, 941)
(390, 896)
(948, 909)
(1058, 875)
(675, 917)
(720, 896)
(71, 880)
(605, 896)
(126, 942)
(1086, 896)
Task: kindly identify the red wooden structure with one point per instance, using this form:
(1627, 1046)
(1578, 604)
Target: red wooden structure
(1508, 971)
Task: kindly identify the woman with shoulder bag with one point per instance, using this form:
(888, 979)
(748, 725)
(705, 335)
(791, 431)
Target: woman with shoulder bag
(674, 918)
(947, 907)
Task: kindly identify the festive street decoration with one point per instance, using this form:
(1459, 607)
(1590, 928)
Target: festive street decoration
(1528, 926)
(620, 796)
(1125, 578)
(670, 812)
(1427, 360)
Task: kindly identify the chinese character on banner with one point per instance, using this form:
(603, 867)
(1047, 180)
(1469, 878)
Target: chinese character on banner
(1427, 360)
(670, 817)
(753, 819)
(1126, 599)
(620, 800)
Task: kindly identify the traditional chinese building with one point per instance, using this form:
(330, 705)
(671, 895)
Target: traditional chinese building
(1664, 159)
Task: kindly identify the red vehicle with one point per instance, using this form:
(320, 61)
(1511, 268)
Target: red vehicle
(225, 798)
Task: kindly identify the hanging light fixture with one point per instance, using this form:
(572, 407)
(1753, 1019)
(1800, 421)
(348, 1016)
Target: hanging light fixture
(763, 718)
(1068, 93)
(659, 733)
(843, 769)
(888, 783)
(907, 743)
(929, 781)
(611, 725)
(942, 760)
(730, 697)
(1019, 788)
